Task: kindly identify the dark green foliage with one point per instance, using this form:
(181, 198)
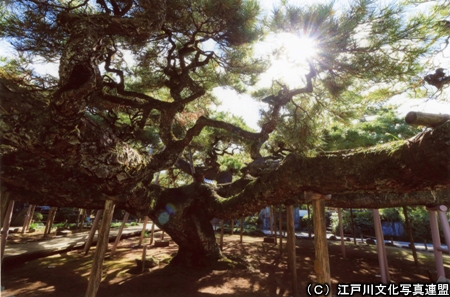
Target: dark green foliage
(386, 127)
(363, 220)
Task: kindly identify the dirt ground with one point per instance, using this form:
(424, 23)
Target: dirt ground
(66, 274)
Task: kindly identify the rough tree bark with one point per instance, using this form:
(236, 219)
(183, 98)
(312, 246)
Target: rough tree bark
(408, 172)
(54, 152)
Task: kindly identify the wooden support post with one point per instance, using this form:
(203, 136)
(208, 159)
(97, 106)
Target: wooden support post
(242, 229)
(6, 224)
(49, 223)
(144, 258)
(322, 260)
(144, 228)
(90, 238)
(152, 233)
(436, 244)
(162, 234)
(119, 234)
(442, 214)
(309, 222)
(77, 224)
(83, 217)
(280, 230)
(31, 218)
(292, 259)
(382, 257)
(232, 226)
(353, 225)
(52, 219)
(271, 220)
(221, 235)
(410, 235)
(289, 239)
(102, 245)
(341, 232)
(26, 219)
(4, 202)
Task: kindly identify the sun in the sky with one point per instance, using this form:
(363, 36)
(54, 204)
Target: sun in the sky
(298, 47)
(291, 63)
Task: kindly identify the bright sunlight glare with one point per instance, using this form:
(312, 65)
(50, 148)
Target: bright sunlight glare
(290, 59)
(298, 48)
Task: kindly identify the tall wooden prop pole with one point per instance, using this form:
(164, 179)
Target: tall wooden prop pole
(83, 217)
(78, 217)
(410, 235)
(322, 260)
(442, 214)
(119, 234)
(30, 220)
(6, 224)
(152, 235)
(280, 213)
(289, 242)
(382, 258)
(4, 202)
(436, 243)
(309, 222)
(242, 229)
(143, 231)
(221, 235)
(292, 259)
(271, 220)
(232, 226)
(341, 232)
(52, 219)
(26, 219)
(353, 225)
(102, 245)
(88, 243)
(144, 258)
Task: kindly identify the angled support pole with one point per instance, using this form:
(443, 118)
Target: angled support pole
(26, 219)
(88, 243)
(437, 248)
(31, 218)
(341, 232)
(6, 224)
(152, 235)
(102, 245)
(271, 220)
(442, 214)
(322, 259)
(381, 248)
(221, 235)
(144, 227)
(242, 230)
(292, 259)
(119, 234)
(410, 235)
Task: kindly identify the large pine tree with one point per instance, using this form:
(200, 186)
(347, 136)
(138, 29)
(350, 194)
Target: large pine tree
(104, 127)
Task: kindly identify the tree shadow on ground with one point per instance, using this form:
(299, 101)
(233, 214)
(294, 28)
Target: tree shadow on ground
(66, 274)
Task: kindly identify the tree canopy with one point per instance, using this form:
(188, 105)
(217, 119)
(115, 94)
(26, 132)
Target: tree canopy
(133, 99)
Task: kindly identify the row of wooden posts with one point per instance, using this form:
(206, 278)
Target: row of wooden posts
(102, 240)
(321, 264)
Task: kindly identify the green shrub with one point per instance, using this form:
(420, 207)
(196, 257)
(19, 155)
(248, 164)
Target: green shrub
(363, 221)
(38, 217)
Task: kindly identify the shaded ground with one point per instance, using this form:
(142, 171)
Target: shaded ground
(66, 273)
